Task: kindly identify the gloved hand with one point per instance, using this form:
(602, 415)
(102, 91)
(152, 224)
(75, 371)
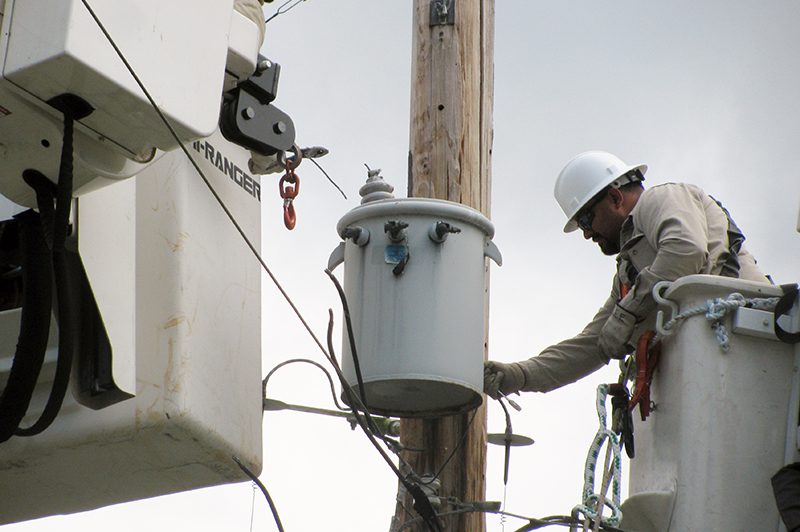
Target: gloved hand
(616, 332)
(499, 377)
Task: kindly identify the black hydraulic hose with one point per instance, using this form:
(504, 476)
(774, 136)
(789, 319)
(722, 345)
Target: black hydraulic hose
(37, 279)
(66, 320)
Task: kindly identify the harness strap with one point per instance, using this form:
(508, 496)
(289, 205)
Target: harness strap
(730, 268)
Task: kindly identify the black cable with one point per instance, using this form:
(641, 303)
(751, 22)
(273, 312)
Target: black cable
(263, 489)
(64, 296)
(281, 11)
(329, 177)
(455, 449)
(307, 361)
(345, 385)
(421, 503)
(350, 336)
(507, 443)
(353, 407)
(37, 293)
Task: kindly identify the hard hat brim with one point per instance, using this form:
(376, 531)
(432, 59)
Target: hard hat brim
(572, 225)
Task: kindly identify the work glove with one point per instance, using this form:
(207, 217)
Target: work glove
(616, 333)
(499, 377)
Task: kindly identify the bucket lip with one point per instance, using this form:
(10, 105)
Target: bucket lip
(416, 206)
(688, 287)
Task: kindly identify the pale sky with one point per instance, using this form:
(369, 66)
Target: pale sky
(701, 92)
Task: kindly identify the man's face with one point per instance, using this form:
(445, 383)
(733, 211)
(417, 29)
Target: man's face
(600, 221)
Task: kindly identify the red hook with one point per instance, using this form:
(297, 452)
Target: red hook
(289, 187)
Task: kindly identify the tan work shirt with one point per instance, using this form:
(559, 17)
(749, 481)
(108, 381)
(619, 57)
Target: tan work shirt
(674, 230)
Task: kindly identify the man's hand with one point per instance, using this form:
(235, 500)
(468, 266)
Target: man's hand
(499, 377)
(616, 332)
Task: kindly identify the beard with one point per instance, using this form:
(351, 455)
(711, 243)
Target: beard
(608, 246)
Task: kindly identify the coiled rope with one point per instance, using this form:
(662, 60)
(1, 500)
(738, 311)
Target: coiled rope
(594, 503)
(715, 311)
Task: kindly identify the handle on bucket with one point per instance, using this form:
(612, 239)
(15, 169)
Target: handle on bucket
(336, 257)
(493, 252)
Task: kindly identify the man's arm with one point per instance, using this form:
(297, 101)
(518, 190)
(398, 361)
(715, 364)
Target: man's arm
(673, 221)
(559, 364)
(568, 360)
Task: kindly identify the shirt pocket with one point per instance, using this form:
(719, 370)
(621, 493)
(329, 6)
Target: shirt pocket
(639, 253)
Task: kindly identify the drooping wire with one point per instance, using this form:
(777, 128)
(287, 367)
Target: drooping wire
(263, 489)
(205, 179)
(281, 9)
(359, 378)
(350, 336)
(329, 177)
(306, 361)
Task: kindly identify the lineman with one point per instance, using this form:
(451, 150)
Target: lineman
(659, 234)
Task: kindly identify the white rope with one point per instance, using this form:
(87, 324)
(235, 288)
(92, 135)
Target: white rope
(715, 311)
(593, 504)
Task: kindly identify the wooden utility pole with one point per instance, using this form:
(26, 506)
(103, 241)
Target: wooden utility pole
(450, 158)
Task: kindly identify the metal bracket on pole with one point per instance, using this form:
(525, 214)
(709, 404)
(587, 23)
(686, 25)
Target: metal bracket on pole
(443, 13)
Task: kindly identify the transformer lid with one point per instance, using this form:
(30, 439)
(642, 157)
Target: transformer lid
(416, 206)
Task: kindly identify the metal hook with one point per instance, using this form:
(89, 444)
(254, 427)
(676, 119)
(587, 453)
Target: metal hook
(658, 290)
(295, 161)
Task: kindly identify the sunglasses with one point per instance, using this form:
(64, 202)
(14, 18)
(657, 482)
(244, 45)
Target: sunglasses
(585, 218)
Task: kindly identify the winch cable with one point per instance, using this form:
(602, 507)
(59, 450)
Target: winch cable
(37, 295)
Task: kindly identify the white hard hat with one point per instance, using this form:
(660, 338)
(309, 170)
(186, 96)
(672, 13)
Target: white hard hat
(586, 175)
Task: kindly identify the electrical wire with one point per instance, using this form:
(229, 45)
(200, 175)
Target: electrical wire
(205, 179)
(350, 337)
(281, 11)
(455, 449)
(263, 489)
(353, 350)
(306, 361)
(329, 177)
(421, 504)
